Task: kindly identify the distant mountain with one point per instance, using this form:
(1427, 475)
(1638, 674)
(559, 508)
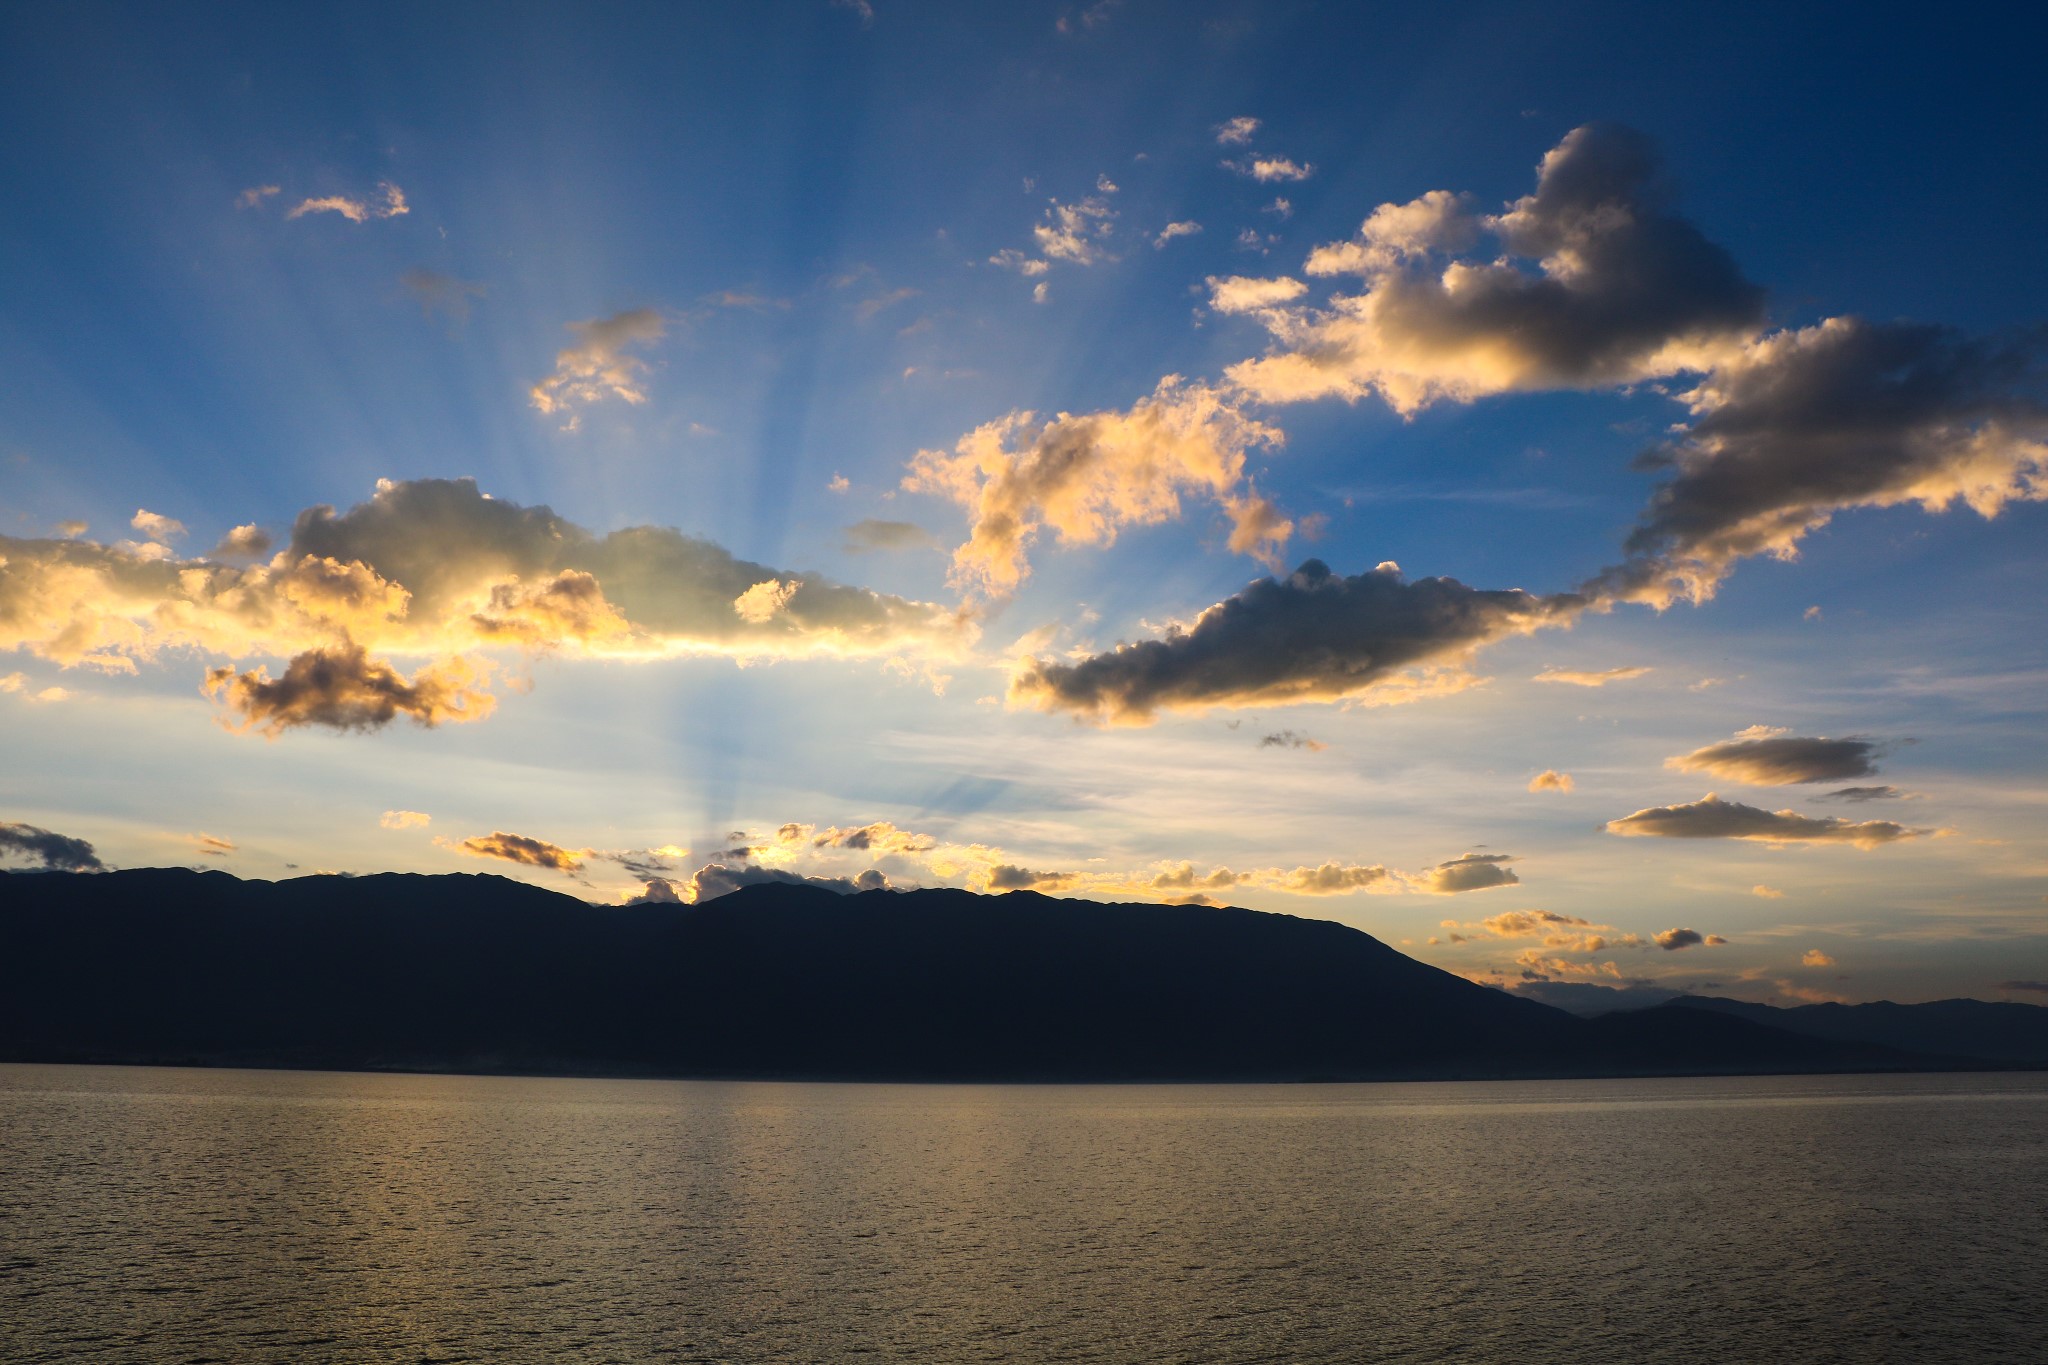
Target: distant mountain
(479, 973)
(1995, 1031)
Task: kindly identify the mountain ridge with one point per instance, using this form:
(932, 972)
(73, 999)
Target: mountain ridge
(475, 972)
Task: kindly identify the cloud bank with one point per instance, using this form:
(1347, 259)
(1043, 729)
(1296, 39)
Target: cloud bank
(434, 569)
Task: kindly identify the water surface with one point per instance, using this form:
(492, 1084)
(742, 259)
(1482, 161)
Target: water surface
(165, 1215)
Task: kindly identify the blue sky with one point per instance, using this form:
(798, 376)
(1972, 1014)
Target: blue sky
(759, 276)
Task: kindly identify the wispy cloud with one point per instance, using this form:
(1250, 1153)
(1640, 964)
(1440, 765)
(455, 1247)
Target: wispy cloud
(1593, 678)
(1236, 132)
(392, 205)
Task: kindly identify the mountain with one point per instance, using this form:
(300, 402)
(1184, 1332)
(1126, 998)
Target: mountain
(1993, 1030)
(480, 973)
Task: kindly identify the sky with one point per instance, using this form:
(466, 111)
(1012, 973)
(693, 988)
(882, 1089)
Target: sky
(1556, 488)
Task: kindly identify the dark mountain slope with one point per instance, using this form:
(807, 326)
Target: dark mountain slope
(482, 973)
(1993, 1030)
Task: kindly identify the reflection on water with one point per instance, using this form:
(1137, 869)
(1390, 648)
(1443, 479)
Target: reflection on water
(279, 1216)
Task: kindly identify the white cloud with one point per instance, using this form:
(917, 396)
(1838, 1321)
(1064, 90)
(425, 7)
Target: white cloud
(356, 210)
(598, 367)
(1236, 132)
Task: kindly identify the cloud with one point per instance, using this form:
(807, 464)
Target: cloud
(1395, 233)
(250, 540)
(343, 688)
(444, 294)
(716, 879)
(1814, 957)
(56, 852)
(1007, 877)
(405, 819)
(159, 528)
(2040, 987)
(518, 848)
(861, 8)
(357, 210)
(1086, 477)
(982, 867)
(70, 530)
(1186, 228)
(1846, 414)
(1329, 879)
(13, 682)
(1763, 757)
(1622, 290)
(1469, 872)
(1070, 234)
(1242, 294)
(1090, 18)
(1671, 940)
(254, 196)
(1546, 924)
(870, 535)
(430, 569)
(879, 838)
(1267, 169)
(1551, 780)
(1769, 893)
(1288, 739)
(597, 367)
(1859, 794)
(1581, 678)
(212, 845)
(1236, 132)
(1309, 637)
(869, 308)
(1713, 818)
(764, 601)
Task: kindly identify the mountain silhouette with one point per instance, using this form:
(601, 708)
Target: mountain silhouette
(481, 973)
(1995, 1030)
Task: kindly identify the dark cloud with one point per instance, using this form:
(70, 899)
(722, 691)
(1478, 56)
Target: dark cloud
(865, 536)
(1713, 818)
(656, 891)
(1844, 414)
(1469, 872)
(56, 852)
(2040, 987)
(247, 540)
(1007, 877)
(715, 880)
(1621, 289)
(1671, 940)
(1884, 793)
(1768, 758)
(1311, 636)
(519, 848)
(1289, 739)
(343, 688)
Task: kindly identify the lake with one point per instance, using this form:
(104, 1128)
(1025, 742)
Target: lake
(174, 1215)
